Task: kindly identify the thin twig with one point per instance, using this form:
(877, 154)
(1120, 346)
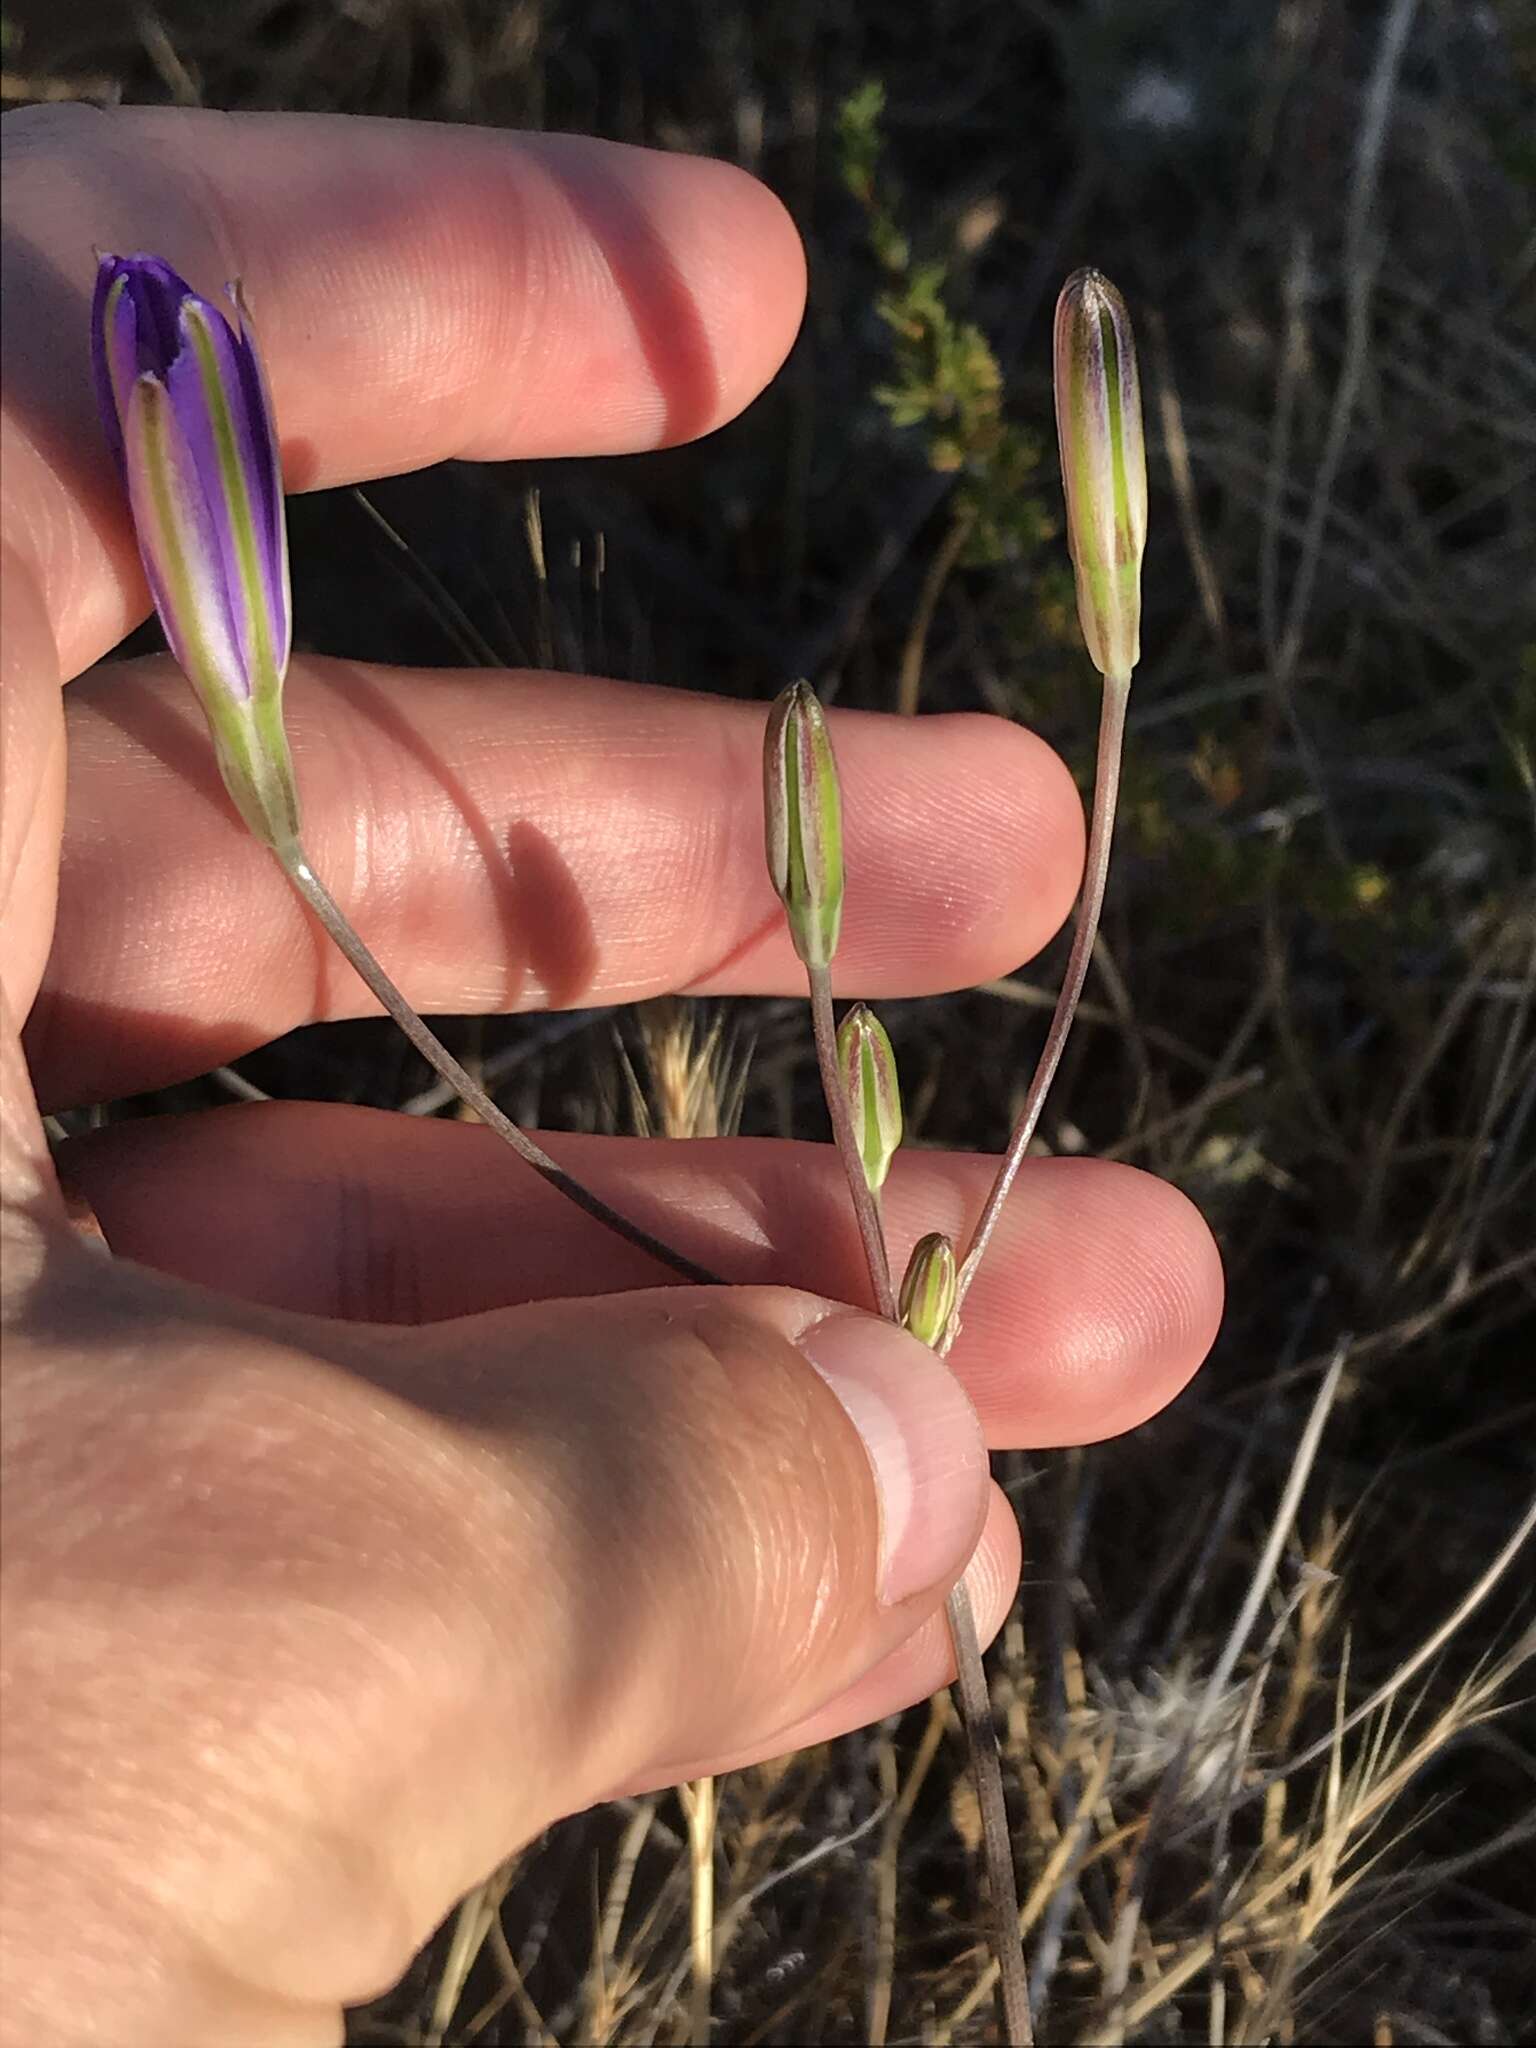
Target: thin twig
(1030, 996)
(451, 615)
(1361, 264)
(1170, 412)
(909, 681)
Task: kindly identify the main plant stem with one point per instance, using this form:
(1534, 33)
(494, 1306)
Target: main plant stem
(295, 864)
(1106, 784)
(971, 1678)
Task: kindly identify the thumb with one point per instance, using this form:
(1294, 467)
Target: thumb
(343, 1615)
(711, 1511)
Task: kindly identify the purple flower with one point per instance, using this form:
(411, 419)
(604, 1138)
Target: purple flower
(185, 407)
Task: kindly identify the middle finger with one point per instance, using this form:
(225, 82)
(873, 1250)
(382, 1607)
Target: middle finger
(508, 842)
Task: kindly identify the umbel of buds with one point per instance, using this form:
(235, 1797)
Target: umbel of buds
(1103, 466)
(928, 1289)
(874, 1096)
(185, 407)
(803, 816)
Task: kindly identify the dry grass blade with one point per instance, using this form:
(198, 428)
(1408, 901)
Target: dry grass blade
(1429, 1649)
(899, 1811)
(1355, 1804)
(699, 1806)
(1128, 1920)
(1055, 1872)
(696, 1094)
(472, 1924)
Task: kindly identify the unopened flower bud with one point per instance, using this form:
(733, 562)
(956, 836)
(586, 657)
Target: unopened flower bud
(1103, 466)
(185, 409)
(928, 1289)
(803, 816)
(868, 1068)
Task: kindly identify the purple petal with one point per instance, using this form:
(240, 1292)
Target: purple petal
(227, 531)
(133, 329)
(159, 293)
(178, 544)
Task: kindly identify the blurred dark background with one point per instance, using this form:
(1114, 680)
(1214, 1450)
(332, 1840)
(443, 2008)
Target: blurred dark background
(1316, 1005)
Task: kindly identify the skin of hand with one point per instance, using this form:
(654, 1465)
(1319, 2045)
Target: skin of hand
(370, 1508)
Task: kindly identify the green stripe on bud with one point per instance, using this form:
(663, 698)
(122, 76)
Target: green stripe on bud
(868, 1067)
(1103, 466)
(803, 820)
(928, 1289)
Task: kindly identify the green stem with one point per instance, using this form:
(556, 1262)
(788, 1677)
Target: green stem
(295, 864)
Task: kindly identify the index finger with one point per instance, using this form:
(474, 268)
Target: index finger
(420, 292)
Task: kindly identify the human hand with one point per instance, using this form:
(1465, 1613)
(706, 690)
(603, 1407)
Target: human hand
(359, 1521)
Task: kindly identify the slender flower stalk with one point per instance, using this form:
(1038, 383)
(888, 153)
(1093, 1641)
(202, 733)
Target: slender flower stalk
(802, 808)
(1104, 474)
(187, 415)
(1106, 785)
(469, 1091)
